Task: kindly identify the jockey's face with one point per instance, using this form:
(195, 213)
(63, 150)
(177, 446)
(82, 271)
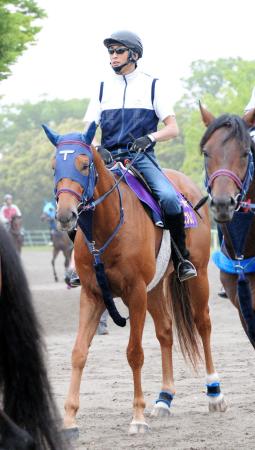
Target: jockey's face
(119, 55)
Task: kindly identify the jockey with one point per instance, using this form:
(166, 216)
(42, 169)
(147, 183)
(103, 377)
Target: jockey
(8, 211)
(49, 212)
(128, 107)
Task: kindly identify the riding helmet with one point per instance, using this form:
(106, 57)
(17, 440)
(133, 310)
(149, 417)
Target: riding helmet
(127, 38)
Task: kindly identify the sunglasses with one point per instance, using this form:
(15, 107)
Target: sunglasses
(118, 51)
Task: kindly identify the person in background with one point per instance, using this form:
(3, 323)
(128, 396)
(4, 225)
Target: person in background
(8, 211)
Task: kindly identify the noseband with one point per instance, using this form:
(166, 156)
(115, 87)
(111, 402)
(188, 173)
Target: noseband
(226, 173)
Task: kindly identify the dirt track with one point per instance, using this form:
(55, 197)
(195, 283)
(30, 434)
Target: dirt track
(107, 389)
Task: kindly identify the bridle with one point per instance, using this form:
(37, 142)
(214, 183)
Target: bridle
(243, 186)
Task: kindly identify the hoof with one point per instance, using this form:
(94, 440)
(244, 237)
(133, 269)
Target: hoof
(160, 410)
(138, 428)
(70, 434)
(218, 404)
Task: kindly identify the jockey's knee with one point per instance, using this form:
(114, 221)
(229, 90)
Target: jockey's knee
(170, 205)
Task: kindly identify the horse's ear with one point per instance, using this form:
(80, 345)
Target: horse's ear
(51, 135)
(249, 117)
(89, 135)
(207, 117)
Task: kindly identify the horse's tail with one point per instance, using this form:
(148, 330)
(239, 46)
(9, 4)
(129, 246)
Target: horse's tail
(27, 396)
(183, 319)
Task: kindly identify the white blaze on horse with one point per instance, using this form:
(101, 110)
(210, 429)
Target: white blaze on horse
(116, 250)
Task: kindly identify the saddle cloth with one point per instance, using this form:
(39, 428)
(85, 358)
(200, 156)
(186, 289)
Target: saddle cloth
(145, 197)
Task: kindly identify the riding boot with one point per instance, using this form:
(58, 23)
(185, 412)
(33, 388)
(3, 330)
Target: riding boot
(184, 268)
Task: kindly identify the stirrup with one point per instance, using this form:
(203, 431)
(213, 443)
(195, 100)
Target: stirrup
(74, 280)
(188, 273)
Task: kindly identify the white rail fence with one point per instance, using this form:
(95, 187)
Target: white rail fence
(42, 237)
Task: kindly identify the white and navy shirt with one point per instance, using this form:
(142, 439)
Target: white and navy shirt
(128, 104)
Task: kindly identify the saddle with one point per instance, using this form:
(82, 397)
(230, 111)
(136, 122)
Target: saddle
(139, 186)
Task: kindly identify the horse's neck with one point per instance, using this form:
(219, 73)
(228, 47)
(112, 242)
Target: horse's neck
(107, 213)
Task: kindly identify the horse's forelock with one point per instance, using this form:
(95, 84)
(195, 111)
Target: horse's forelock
(235, 124)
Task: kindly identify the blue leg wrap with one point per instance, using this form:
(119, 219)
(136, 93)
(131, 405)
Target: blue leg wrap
(165, 397)
(213, 389)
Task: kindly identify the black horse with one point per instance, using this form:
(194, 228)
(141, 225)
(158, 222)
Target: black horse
(28, 416)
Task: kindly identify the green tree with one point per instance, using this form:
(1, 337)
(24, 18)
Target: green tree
(15, 119)
(17, 30)
(27, 171)
(223, 86)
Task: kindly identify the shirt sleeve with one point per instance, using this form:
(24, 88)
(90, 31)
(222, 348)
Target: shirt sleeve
(251, 103)
(3, 219)
(163, 103)
(17, 210)
(93, 113)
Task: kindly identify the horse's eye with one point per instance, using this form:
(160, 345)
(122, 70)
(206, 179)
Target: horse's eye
(205, 153)
(82, 164)
(245, 155)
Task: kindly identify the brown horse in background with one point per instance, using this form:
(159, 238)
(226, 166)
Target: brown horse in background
(15, 230)
(61, 243)
(228, 151)
(85, 186)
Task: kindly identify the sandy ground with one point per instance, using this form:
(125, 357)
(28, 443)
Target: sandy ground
(107, 388)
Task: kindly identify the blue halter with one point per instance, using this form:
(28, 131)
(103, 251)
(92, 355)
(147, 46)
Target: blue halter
(66, 153)
(68, 148)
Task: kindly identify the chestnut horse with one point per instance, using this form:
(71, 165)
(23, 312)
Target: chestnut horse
(28, 415)
(228, 152)
(86, 190)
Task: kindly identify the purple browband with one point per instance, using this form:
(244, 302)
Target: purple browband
(226, 173)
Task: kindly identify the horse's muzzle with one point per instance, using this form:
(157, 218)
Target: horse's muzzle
(66, 220)
(223, 208)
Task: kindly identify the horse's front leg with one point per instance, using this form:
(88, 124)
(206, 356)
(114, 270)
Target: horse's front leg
(199, 291)
(91, 308)
(137, 303)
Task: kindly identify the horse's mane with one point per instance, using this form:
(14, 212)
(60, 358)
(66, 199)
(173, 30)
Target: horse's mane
(27, 396)
(238, 129)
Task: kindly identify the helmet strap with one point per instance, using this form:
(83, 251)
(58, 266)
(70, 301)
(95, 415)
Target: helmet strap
(130, 59)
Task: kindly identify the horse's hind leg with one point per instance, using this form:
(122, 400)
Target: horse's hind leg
(55, 254)
(158, 306)
(199, 292)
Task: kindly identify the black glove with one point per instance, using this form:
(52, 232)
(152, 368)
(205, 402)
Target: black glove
(105, 154)
(142, 143)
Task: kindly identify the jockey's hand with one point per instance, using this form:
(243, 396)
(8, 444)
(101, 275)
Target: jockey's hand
(105, 154)
(141, 144)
